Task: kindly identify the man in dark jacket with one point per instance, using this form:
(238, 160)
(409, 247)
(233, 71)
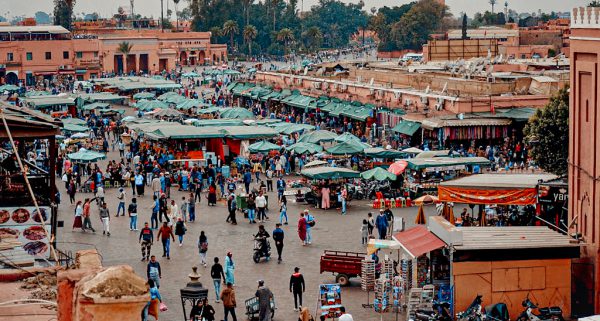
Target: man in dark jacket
(278, 236)
(297, 287)
(146, 239)
(231, 207)
(153, 271)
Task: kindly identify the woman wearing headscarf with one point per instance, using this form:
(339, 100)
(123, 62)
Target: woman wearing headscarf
(229, 268)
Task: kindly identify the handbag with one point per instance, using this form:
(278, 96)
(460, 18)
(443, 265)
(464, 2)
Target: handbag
(163, 307)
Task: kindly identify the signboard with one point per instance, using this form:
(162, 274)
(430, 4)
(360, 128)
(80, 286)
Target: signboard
(23, 224)
(330, 298)
(553, 194)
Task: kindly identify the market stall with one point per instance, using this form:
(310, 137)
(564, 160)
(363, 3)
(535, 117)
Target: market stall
(325, 183)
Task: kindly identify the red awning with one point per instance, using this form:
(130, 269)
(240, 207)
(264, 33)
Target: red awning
(418, 241)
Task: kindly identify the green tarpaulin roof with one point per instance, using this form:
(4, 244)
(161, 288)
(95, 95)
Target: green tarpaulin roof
(175, 99)
(317, 136)
(288, 129)
(150, 105)
(217, 122)
(47, 101)
(263, 147)
(191, 103)
(144, 95)
(378, 152)
(167, 95)
(69, 127)
(406, 127)
(236, 113)
(249, 132)
(421, 163)
(299, 101)
(283, 94)
(329, 173)
(86, 156)
(346, 148)
(378, 174)
(93, 106)
(305, 148)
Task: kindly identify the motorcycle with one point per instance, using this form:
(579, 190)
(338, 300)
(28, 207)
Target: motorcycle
(440, 312)
(262, 248)
(356, 191)
(475, 312)
(385, 188)
(547, 313)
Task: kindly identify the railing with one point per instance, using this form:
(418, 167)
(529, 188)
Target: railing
(65, 258)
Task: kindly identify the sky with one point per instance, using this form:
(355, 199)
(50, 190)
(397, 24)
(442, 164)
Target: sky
(152, 7)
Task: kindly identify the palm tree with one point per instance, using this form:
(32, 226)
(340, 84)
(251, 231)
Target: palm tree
(275, 6)
(285, 35)
(215, 32)
(247, 4)
(493, 3)
(314, 37)
(176, 2)
(250, 33)
(230, 28)
(124, 48)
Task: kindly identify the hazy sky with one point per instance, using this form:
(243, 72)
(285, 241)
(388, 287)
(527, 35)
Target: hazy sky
(152, 7)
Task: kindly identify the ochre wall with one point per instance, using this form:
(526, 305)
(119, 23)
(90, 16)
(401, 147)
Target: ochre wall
(547, 282)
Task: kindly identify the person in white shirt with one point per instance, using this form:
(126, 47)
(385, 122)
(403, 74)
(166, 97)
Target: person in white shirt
(261, 205)
(345, 316)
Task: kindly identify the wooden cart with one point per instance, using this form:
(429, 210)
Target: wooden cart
(252, 308)
(344, 265)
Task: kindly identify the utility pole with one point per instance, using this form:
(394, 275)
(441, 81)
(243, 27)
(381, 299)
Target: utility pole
(162, 17)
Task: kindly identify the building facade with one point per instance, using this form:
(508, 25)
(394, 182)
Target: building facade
(28, 53)
(584, 156)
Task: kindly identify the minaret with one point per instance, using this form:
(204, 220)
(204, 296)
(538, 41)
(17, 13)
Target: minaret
(506, 10)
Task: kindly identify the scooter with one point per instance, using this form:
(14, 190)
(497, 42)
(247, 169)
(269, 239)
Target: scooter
(547, 313)
(475, 312)
(440, 312)
(262, 248)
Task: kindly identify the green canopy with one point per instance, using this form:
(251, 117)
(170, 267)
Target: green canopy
(74, 128)
(346, 148)
(263, 147)
(217, 122)
(329, 173)
(407, 127)
(9, 88)
(175, 99)
(378, 152)
(144, 95)
(347, 137)
(190, 103)
(190, 75)
(167, 95)
(75, 121)
(305, 148)
(249, 132)
(317, 136)
(293, 128)
(86, 156)
(145, 105)
(37, 93)
(236, 113)
(209, 110)
(378, 174)
(449, 162)
(94, 106)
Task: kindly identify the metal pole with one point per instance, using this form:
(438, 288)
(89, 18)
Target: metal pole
(162, 17)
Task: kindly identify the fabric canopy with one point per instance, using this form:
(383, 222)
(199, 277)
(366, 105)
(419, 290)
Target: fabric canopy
(305, 148)
(263, 147)
(86, 156)
(378, 152)
(316, 163)
(317, 136)
(407, 127)
(329, 173)
(378, 174)
(236, 113)
(524, 196)
(143, 95)
(345, 148)
(417, 241)
(70, 127)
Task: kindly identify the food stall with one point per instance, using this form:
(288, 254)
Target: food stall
(423, 175)
(328, 179)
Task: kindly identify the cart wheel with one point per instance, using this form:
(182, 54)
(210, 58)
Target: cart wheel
(342, 279)
(256, 257)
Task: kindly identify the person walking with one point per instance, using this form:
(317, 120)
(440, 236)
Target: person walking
(105, 218)
(264, 296)
(121, 198)
(364, 231)
(310, 222)
(72, 190)
(165, 234)
(251, 205)
(261, 205)
(269, 174)
(139, 183)
(146, 239)
(180, 230)
(100, 194)
(231, 207)
(218, 276)
(297, 287)
(247, 178)
(132, 210)
(152, 307)
(382, 224)
(183, 208)
(174, 211)
(390, 219)
(192, 208)
(229, 304)
(371, 223)
(229, 268)
(278, 236)
(302, 229)
(280, 187)
(87, 222)
(153, 271)
(155, 210)
(162, 208)
(202, 247)
(156, 186)
(342, 198)
(345, 316)
(283, 210)
(77, 221)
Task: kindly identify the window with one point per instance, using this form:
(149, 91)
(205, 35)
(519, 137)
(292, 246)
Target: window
(29, 56)
(95, 54)
(65, 55)
(48, 55)
(79, 54)
(9, 56)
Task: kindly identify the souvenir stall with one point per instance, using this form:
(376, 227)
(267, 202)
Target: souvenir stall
(441, 131)
(325, 182)
(423, 175)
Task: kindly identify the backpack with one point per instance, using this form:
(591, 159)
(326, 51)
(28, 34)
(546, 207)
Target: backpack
(311, 222)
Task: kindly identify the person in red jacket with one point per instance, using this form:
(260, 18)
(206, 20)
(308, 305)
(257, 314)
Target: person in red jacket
(164, 233)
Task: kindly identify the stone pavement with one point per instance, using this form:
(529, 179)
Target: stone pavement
(332, 232)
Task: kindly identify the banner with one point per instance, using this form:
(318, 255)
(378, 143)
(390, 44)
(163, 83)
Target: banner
(330, 298)
(525, 196)
(23, 224)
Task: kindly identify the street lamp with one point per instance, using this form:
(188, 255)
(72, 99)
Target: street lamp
(193, 291)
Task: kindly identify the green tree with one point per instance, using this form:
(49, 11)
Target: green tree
(313, 38)
(42, 18)
(124, 48)
(285, 36)
(176, 2)
(230, 28)
(547, 130)
(414, 28)
(493, 3)
(63, 13)
(215, 33)
(250, 33)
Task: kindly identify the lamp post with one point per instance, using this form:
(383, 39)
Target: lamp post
(193, 291)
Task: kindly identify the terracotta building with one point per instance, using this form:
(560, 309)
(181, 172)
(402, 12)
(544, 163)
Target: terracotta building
(30, 52)
(584, 152)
